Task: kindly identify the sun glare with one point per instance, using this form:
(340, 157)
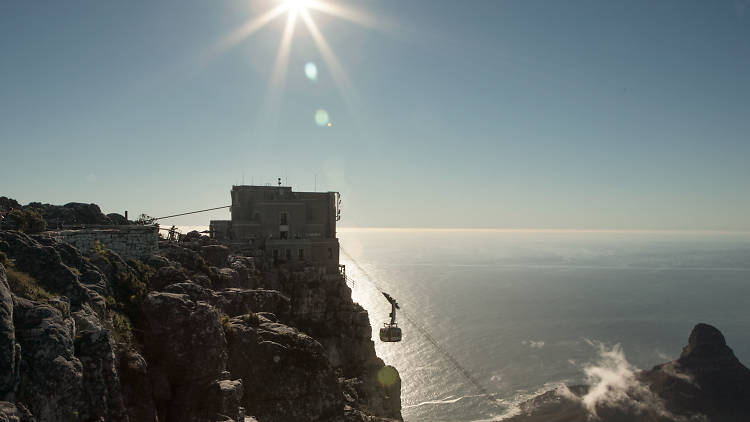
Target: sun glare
(297, 6)
(296, 11)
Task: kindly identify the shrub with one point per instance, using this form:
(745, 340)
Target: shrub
(144, 271)
(25, 286)
(129, 290)
(27, 221)
(99, 248)
(225, 324)
(122, 329)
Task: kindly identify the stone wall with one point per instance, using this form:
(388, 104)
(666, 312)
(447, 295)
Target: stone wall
(127, 241)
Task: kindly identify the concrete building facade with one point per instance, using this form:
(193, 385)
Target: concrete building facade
(281, 225)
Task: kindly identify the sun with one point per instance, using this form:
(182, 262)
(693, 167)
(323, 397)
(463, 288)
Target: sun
(297, 6)
(296, 11)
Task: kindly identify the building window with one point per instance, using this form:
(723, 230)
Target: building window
(275, 254)
(256, 217)
(330, 253)
(288, 254)
(284, 219)
(284, 235)
(301, 254)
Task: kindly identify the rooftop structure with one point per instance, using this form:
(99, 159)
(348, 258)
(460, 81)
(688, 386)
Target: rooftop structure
(281, 225)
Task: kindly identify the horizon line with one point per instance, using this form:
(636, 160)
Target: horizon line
(549, 230)
(529, 230)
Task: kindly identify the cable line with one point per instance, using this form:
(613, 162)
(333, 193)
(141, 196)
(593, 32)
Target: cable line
(192, 212)
(463, 371)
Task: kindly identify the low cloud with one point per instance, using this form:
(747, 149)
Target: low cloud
(612, 383)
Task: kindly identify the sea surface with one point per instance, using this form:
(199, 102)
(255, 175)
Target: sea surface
(515, 313)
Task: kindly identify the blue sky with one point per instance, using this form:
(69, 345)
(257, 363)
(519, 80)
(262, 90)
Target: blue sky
(507, 114)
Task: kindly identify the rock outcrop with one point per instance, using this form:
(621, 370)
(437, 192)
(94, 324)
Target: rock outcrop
(73, 213)
(706, 383)
(192, 334)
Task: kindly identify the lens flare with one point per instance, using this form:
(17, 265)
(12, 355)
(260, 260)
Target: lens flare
(311, 71)
(387, 376)
(321, 118)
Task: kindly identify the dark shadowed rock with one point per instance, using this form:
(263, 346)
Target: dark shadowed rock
(51, 375)
(224, 397)
(101, 380)
(222, 278)
(285, 373)
(707, 383)
(7, 204)
(165, 276)
(10, 353)
(707, 378)
(72, 213)
(117, 219)
(216, 255)
(194, 291)
(46, 263)
(188, 258)
(242, 301)
(186, 347)
(191, 236)
(14, 412)
(137, 391)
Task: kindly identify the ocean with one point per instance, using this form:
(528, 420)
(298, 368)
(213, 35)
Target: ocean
(491, 318)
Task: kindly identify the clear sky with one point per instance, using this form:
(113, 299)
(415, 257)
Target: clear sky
(508, 114)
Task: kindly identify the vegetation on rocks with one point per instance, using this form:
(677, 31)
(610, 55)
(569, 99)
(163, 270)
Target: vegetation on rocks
(27, 221)
(22, 284)
(191, 334)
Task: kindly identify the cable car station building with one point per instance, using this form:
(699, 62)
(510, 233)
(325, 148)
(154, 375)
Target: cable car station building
(282, 226)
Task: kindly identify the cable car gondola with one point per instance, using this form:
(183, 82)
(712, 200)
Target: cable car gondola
(390, 331)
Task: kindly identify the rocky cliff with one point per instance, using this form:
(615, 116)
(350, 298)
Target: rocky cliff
(191, 334)
(706, 383)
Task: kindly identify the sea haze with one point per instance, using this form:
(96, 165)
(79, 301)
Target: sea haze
(523, 311)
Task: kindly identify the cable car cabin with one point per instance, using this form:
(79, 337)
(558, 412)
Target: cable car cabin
(390, 331)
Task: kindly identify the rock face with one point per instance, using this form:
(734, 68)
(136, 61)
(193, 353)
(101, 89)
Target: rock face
(706, 383)
(70, 214)
(716, 383)
(10, 352)
(298, 381)
(186, 347)
(192, 334)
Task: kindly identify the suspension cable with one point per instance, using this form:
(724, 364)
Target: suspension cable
(422, 330)
(192, 212)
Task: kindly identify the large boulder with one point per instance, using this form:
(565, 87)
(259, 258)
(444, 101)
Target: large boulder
(101, 380)
(72, 213)
(216, 255)
(188, 258)
(47, 261)
(137, 390)
(187, 351)
(246, 272)
(10, 353)
(285, 373)
(51, 375)
(236, 302)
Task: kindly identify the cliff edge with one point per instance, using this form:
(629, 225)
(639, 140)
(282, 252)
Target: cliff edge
(191, 334)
